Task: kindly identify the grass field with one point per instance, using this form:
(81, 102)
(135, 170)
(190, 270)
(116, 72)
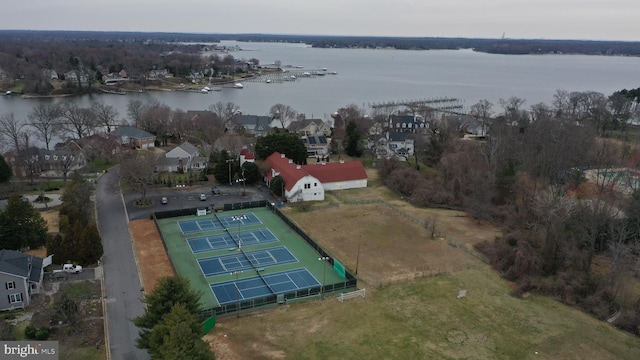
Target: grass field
(411, 310)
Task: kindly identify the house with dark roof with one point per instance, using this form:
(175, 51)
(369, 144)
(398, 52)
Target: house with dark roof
(183, 158)
(20, 278)
(134, 137)
(407, 123)
(252, 124)
(317, 145)
(309, 182)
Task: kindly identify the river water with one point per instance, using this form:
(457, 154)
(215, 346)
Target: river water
(367, 76)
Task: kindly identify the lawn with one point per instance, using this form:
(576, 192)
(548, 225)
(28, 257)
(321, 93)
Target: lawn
(423, 319)
(411, 310)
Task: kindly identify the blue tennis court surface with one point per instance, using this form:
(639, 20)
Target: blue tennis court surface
(257, 287)
(230, 240)
(199, 225)
(231, 221)
(246, 260)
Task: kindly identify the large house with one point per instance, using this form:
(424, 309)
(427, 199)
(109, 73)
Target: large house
(309, 127)
(34, 162)
(183, 158)
(134, 137)
(252, 124)
(317, 145)
(407, 123)
(309, 182)
(20, 277)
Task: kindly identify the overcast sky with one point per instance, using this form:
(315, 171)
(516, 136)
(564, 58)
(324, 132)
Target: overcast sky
(530, 19)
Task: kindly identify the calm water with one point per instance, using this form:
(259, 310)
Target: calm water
(371, 76)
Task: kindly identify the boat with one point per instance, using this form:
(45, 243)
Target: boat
(268, 81)
(238, 86)
(8, 93)
(206, 88)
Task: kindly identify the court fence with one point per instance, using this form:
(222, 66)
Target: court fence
(349, 283)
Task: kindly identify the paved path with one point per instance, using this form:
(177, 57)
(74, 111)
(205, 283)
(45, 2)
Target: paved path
(123, 293)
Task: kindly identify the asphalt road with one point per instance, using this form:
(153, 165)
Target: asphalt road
(123, 293)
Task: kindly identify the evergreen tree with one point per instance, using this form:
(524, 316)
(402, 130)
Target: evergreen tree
(5, 170)
(21, 225)
(277, 185)
(353, 147)
(284, 143)
(168, 292)
(91, 245)
(178, 336)
(251, 172)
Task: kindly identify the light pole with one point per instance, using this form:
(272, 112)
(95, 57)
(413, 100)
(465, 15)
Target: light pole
(324, 274)
(238, 219)
(229, 162)
(236, 273)
(357, 258)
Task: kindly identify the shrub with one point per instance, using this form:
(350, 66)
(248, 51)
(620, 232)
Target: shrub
(30, 332)
(42, 333)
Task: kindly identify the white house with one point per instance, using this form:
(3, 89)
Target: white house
(309, 182)
(183, 158)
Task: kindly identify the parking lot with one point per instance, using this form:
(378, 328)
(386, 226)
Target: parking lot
(189, 197)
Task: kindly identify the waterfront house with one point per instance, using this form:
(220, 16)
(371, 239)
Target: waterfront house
(134, 137)
(252, 124)
(183, 158)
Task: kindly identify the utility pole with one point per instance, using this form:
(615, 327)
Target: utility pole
(229, 162)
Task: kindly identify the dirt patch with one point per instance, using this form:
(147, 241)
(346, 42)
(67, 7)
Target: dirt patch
(153, 260)
(52, 218)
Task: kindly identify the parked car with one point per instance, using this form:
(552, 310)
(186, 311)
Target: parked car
(164, 201)
(215, 190)
(69, 268)
(203, 197)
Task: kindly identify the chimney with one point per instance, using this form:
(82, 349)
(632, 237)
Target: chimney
(281, 156)
(298, 167)
(290, 161)
(341, 161)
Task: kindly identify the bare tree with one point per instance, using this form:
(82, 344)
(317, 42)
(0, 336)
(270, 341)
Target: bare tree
(224, 111)
(11, 130)
(45, 118)
(561, 104)
(77, 121)
(137, 170)
(135, 108)
(284, 113)
(482, 110)
(105, 114)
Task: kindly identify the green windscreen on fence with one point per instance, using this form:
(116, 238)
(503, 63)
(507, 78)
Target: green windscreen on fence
(209, 324)
(339, 268)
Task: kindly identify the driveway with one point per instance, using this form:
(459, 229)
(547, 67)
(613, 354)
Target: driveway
(123, 295)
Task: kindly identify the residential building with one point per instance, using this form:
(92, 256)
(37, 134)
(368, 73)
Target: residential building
(183, 158)
(252, 124)
(317, 145)
(246, 156)
(406, 123)
(399, 145)
(308, 127)
(20, 278)
(309, 182)
(134, 137)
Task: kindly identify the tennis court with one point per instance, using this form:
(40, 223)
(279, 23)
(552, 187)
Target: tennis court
(229, 240)
(199, 225)
(242, 260)
(257, 287)
(270, 261)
